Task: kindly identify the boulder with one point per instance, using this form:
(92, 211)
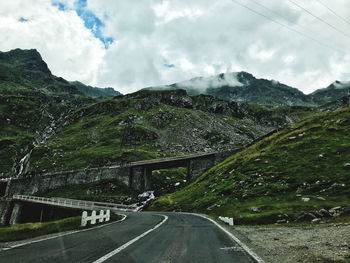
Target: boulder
(334, 210)
(346, 166)
(345, 211)
(254, 209)
(316, 220)
(306, 217)
(324, 213)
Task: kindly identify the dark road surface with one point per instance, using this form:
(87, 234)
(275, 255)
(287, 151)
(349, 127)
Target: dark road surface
(181, 238)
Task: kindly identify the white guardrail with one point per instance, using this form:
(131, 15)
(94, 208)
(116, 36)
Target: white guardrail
(227, 220)
(102, 216)
(72, 203)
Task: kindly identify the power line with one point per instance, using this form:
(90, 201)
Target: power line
(288, 27)
(332, 11)
(320, 19)
(277, 14)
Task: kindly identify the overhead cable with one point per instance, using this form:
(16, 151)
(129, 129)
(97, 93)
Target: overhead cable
(288, 27)
(320, 19)
(332, 11)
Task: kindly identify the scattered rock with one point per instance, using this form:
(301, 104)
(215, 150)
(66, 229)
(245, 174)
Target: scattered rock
(282, 221)
(306, 217)
(345, 211)
(334, 210)
(324, 213)
(305, 199)
(254, 209)
(212, 207)
(346, 166)
(316, 220)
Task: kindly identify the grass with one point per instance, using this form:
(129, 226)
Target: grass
(107, 190)
(168, 180)
(267, 181)
(31, 230)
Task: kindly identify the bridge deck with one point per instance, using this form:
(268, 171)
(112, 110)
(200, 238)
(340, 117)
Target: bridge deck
(72, 203)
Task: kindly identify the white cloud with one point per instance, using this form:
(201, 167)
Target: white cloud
(70, 49)
(199, 37)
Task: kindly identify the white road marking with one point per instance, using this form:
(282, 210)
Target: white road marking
(234, 248)
(117, 250)
(239, 242)
(61, 235)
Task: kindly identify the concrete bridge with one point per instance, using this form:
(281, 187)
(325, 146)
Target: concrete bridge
(24, 208)
(135, 174)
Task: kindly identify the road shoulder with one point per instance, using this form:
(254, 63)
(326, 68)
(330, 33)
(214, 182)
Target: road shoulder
(19, 243)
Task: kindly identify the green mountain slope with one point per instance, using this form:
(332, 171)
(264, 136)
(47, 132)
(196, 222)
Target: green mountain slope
(165, 123)
(94, 92)
(243, 87)
(333, 92)
(31, 99)
(291, 172)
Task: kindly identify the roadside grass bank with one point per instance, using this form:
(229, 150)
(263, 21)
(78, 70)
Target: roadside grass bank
(31, 230)
(285, 177)
(106, 190)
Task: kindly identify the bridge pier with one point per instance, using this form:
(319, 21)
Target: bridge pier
(3, 186)
(197, 167)
(5, 212)
(16, 214)
(140, 178)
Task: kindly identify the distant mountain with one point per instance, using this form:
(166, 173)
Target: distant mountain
(333, 92)
(33, 103)
(95, 92)
(27, 69)
(243, 87)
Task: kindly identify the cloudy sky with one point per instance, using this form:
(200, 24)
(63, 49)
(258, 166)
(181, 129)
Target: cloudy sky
(129, 44)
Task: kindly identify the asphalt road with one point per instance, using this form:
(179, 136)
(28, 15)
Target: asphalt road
(180, 238)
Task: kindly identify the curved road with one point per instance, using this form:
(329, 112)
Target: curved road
(179, 238)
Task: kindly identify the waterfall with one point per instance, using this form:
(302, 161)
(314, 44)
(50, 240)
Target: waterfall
(22, 164)
(45, 135)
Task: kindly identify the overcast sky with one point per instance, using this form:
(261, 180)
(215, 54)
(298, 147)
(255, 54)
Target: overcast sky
(129, 44)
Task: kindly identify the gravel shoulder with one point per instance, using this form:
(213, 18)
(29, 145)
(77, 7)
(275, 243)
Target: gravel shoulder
(329, 243)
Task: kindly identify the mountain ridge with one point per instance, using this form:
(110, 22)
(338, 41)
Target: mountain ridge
(243, 87)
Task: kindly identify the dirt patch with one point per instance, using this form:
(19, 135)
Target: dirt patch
(298, 244)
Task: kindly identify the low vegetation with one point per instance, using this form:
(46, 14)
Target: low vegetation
(31, 230)
(108, 190)
(296, 170)
(168, 180)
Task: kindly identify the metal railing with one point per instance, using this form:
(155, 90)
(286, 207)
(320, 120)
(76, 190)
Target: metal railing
(72, 203)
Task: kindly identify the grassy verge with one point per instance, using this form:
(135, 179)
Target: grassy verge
(106, 190)
(30, 230)
(168, 180)
(297, 170)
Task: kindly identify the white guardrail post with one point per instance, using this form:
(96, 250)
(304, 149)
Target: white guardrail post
(101, 217)
(84, 218)
(227, 220)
